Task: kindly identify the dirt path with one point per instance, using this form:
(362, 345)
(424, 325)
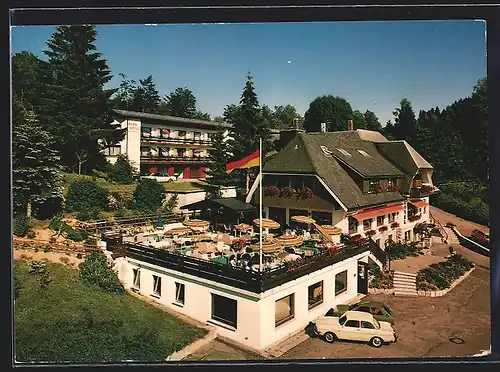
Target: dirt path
(55, 257)
(424, 326)
(465, 227)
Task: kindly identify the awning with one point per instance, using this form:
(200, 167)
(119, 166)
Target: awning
(420, 203)
(377, 212)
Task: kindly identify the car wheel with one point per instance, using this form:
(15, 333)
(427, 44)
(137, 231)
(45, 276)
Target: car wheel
(376, 342)
(330, 337)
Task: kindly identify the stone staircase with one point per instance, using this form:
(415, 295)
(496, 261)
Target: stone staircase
(405, 284)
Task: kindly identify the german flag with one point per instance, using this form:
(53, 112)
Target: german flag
(252, 160)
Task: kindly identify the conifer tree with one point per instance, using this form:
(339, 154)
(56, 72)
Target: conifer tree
(76, 109)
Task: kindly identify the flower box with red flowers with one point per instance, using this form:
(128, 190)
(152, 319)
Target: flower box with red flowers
(383, 228)
(414, 218)
(378, 190)
(393, 188)
(304, 193)
(394, 225)
(370, 233)
(287, 192)
(271, 191)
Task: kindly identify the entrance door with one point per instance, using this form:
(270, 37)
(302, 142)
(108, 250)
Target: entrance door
(187, 173)
(362, 278)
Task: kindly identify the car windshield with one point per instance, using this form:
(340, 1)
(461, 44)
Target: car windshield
(376, 323)
(342, 319)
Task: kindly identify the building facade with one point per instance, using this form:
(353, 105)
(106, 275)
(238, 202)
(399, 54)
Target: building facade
(252, 310)
(356, 180)
(167, 145)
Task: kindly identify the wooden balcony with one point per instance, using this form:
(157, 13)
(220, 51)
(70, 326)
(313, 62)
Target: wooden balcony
(175, 141)
(175, 160)
(422, 192)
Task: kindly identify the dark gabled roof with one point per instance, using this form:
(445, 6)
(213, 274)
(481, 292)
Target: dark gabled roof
(172, 119)
(374, 165)
(304, 155)
(230, 203)
(405, 156)
(292, 158)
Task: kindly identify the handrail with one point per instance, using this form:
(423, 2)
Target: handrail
(323, 232)
(378, 252)
(439, 226)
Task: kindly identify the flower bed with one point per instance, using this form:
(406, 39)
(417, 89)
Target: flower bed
(444, 291)
(441, 275)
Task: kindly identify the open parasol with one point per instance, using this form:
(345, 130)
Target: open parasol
(303, 219)
(178, 231)
(289, 240)
(332, 230)
(268, 246)
(206, 247)
(196, 223)
(267, 223)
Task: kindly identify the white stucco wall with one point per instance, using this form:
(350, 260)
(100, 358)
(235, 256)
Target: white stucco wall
(255, 312)
(194, 197)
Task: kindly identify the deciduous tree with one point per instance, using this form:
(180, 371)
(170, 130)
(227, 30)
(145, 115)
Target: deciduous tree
(329, 109)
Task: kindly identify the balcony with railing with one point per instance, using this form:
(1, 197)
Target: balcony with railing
(237, 277)
(175, 159)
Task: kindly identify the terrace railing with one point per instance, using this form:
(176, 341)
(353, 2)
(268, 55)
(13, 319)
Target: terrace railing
(378, 252)
(237, 277)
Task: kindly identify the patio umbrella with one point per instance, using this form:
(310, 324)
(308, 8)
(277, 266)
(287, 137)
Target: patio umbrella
(206, 247)
(243, 227)
(178, 231)
(267, 223)
(303, 219)
(196, 224)
(289, 240)
(332, 230)
(268, 246)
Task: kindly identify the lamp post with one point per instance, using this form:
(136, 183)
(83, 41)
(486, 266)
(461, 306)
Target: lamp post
(388, 245)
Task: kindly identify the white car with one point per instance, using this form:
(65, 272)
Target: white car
(355, 326)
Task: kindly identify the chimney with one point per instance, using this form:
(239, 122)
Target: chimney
(323, 127)
(350, 125)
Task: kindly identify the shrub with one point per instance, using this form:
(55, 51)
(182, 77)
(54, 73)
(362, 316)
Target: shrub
(381, 279)
(400, 251)
(95, 271)
(148, 195)
(21, 225)
(46, 249)
(86, 195)
(87, 215)
(49, 207)
(37, 267)
(31, 234)
(122, 171)
(76, 236)
(79, 256)
(90, 241)
(99, 174)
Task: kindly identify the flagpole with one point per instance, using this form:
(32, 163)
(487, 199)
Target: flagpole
(260, 207)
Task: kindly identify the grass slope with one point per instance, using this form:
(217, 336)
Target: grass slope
(71, 321)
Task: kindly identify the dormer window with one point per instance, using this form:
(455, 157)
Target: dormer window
(344, 152)
(364, 153)
(374, 186)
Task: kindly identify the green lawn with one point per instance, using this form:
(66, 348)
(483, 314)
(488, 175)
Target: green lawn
(182, 186)
(71, 321)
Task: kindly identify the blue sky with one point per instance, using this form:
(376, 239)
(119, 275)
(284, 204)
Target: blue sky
(371, 64)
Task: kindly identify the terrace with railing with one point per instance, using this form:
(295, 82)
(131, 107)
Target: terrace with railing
(238, 277)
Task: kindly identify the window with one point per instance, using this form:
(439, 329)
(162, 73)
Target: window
(367, 224)
(210, 136)
(309, 182)
(156, 285)
(392, 217)
(181, 134)
(296, 182)
(181, 152)
(389, 238)
(344, 152)
(364, 153)
(224, 310)
(342, 320)
(197, 136)
(323, 218)
(341, 282)
(374, 185)
(365, 309)
(367, 325)
(284, 310)
(407, 235)
(377, 242)
(146, 132)
(315, 294)
(179, 293)
(380, 220)
(352, 323)
(283, 181)
(113, 151)
(137, 278)
(425, 210)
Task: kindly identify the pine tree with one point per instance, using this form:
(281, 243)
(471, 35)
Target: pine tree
(35, 164)
(371, 121)
(145, 97)
(248, 124)
(219, 156)
(76, 109)
(405, 126)
(180, 103)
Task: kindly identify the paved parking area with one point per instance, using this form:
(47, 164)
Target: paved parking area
(424, 326)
